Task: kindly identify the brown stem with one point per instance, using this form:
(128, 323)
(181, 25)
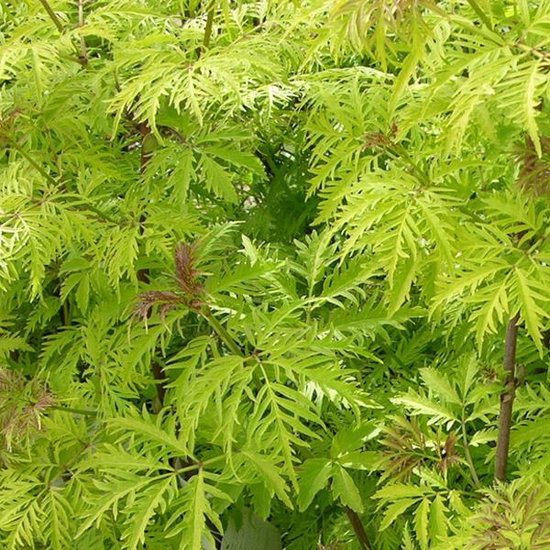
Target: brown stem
(507, 400)
(156, 368)
(358, 528)
(143, 274)
(52, 15)
(145, 157)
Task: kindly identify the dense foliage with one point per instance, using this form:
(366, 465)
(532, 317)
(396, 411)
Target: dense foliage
(288, 257)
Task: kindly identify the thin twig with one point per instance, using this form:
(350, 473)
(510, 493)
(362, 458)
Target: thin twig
(507, 400)
(52, 15)
(402, 153)
(468, 454)
(99, 213)
(358, 529)
(32, 162)
(72, 410)
(59, 25)
(83, 48)
(143, 275)
(222, 333)
(207, 29)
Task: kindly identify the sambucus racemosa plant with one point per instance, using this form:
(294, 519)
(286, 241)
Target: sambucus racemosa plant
(287, 258)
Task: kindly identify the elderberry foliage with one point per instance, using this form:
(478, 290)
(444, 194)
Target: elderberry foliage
(281, 261)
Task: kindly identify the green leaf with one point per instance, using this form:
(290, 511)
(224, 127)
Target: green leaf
(436, 382)
(531, 105)
(438, 519)
(218, 179)
(238, 158)
(154, 432)
(531, 312)
(12, 343)
(112, 493)
(252, 533)
(396, 491)
(421, 522)
(314, 476)
(407, 69)
(344, 488)
(394, 510)
(144, 508)
(418, 404)
(270, 474)
(191, 519)
(402, 281)
(360, 460)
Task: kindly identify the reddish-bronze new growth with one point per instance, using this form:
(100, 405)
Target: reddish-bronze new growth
(186, 272)
(187, 280)
(165, 300)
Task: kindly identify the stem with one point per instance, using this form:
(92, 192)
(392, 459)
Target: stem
(400, 151)
(533, 51)
(358, 528)
(31, 161)
(52, 15)
(481, 14)
(200, 465)
(83, 412)
(88, 205)
(83, 48)
(207, 29)
(100, 214)
(221, 331)
(468, 454)
(160, 377)
(65, 314)
(507, 400)
(143, 274)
